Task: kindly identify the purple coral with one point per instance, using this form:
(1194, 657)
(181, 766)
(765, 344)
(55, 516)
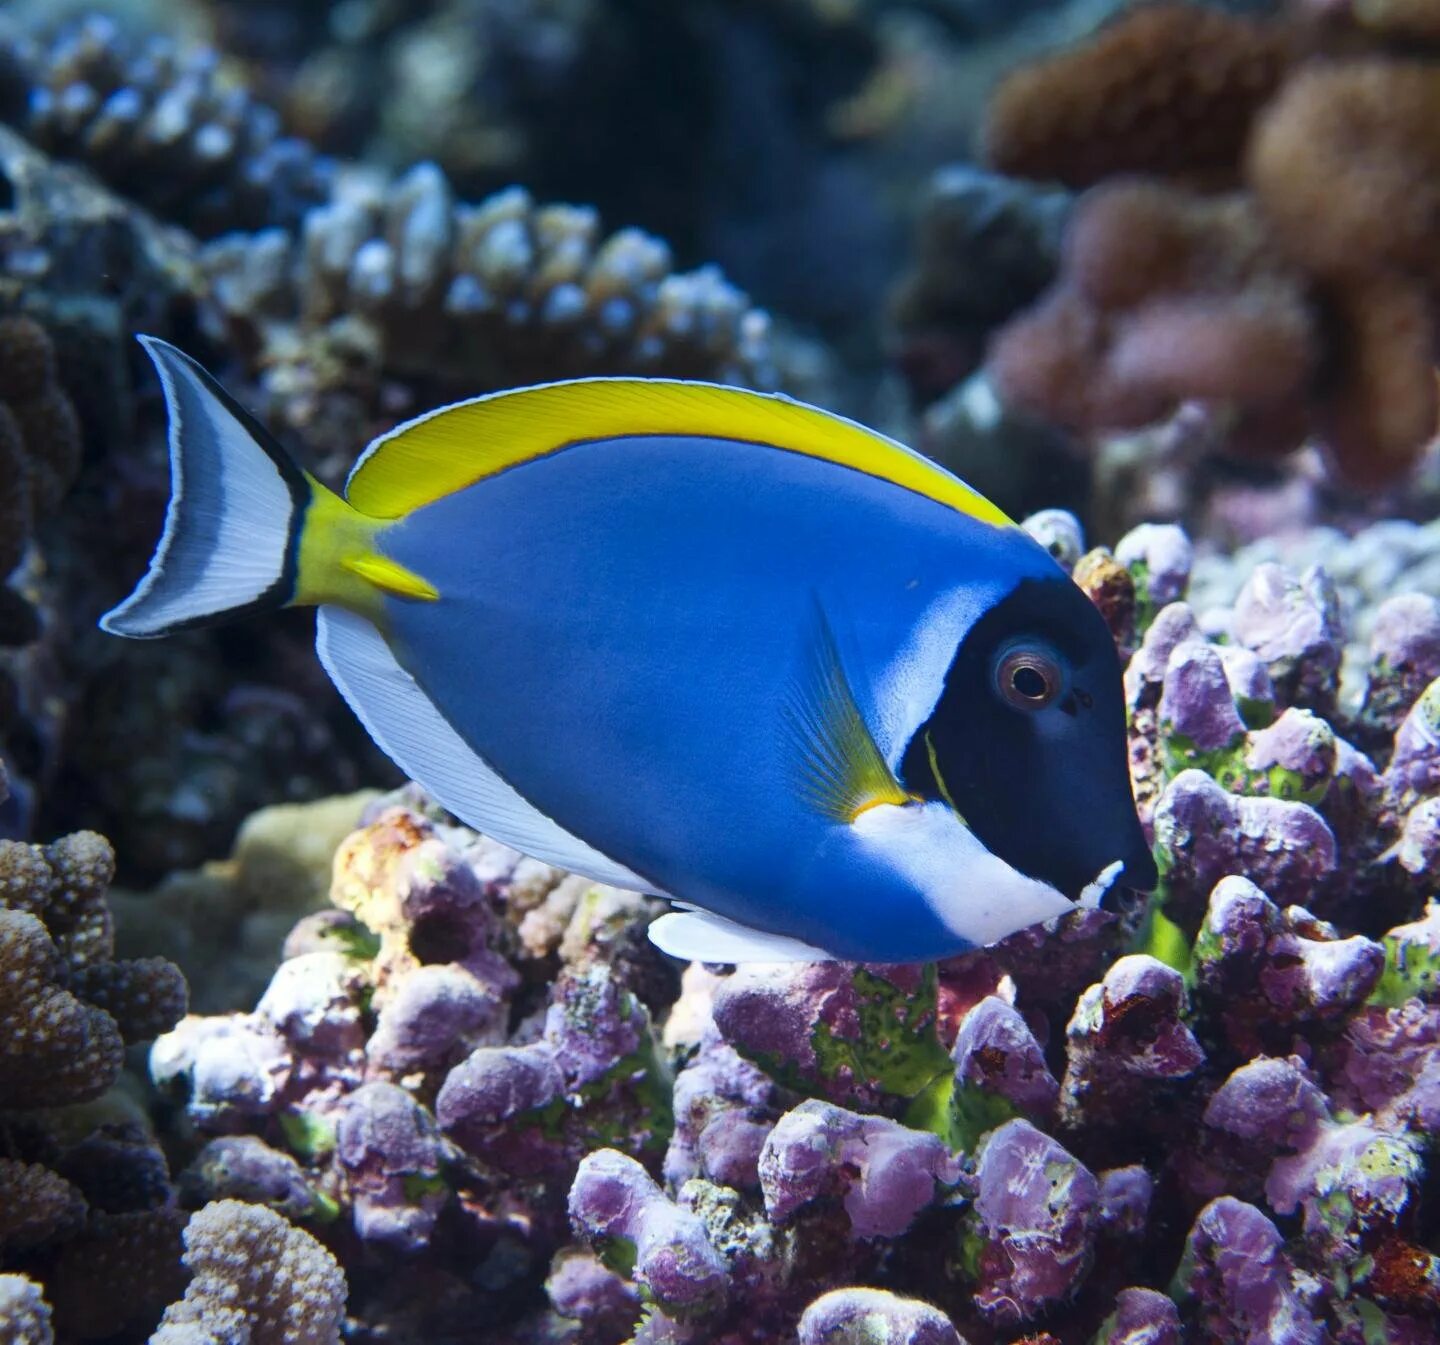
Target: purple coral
(1237, 1283)
(1203, 834)
(391, 1153)
(1261, 969)
(1000, 1069)
(1196, 706)
(1034, 1223)
(436, 1016)
(583, 1289)
(1142, 1317)
(534, 1110)
(724, 1109)
(1160, 557)
(874, 1317)
(1404, 659)
(1414, 770)
(1293, 624)
(883, 1173)
(854, 1035)
(1127, 1037)
(616, 1206)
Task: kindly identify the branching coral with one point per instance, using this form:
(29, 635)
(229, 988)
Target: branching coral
(1173, 88)
(1303, 307)
(84, 1188)
(254, 1277)
(68, 1007)
(401, 279)
(160, 122)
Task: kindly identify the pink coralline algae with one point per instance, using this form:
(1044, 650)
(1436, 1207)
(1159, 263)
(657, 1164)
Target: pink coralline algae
(1126, 1041)
(1238, 1284)
(1206, 1116)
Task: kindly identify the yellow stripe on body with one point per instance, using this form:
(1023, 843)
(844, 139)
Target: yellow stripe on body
(458, 445)
(339, 562)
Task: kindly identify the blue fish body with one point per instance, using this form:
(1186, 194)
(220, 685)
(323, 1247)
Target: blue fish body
(707, 644)
(618, 630)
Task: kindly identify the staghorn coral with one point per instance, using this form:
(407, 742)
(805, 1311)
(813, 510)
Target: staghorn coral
(254, 1277)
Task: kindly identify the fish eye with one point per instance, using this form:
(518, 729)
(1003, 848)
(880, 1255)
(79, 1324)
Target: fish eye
(1028, 675)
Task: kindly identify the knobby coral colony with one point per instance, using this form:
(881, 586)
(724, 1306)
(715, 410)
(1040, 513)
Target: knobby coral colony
(479, 1086)
(1257, 235)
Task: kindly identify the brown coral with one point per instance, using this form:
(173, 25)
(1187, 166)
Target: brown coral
(36, 1206)
(60, 1041)
(1345, 164)
(1300, 307)
(121, 1271)
(55, 1048)
(255, 1277)
(1165, 296)
(1170, 88)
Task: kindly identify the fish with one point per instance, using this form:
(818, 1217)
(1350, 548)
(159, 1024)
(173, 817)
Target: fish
(695, 641)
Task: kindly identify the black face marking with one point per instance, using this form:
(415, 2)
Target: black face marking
(1036, 765)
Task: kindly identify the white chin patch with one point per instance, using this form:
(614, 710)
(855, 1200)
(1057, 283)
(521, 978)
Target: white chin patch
(974, 893)
(1092, 894)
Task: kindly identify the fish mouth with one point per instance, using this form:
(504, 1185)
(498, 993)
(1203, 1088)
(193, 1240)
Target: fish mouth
(1094, 891)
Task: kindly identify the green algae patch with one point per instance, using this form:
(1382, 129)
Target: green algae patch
(308, 1135)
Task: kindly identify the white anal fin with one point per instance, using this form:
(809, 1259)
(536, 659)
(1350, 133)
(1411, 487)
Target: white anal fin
(700, 936)
(412, 732)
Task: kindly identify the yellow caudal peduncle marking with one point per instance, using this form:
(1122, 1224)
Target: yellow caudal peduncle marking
(391, 576)
(339, 562)
(458, 445)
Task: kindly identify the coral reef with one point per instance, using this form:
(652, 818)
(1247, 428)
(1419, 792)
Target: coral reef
(1229, 1099)
(466, 1080)
(399, 281)
(256, 1277)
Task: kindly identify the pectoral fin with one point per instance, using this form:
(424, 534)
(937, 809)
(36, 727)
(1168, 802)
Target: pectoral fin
(838, 768)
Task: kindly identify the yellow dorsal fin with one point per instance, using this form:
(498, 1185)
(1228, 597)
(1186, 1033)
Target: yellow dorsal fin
(839, 769)
(454, 447)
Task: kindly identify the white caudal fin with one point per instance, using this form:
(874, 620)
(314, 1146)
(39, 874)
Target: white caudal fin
(413, 733)
(235, 503)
